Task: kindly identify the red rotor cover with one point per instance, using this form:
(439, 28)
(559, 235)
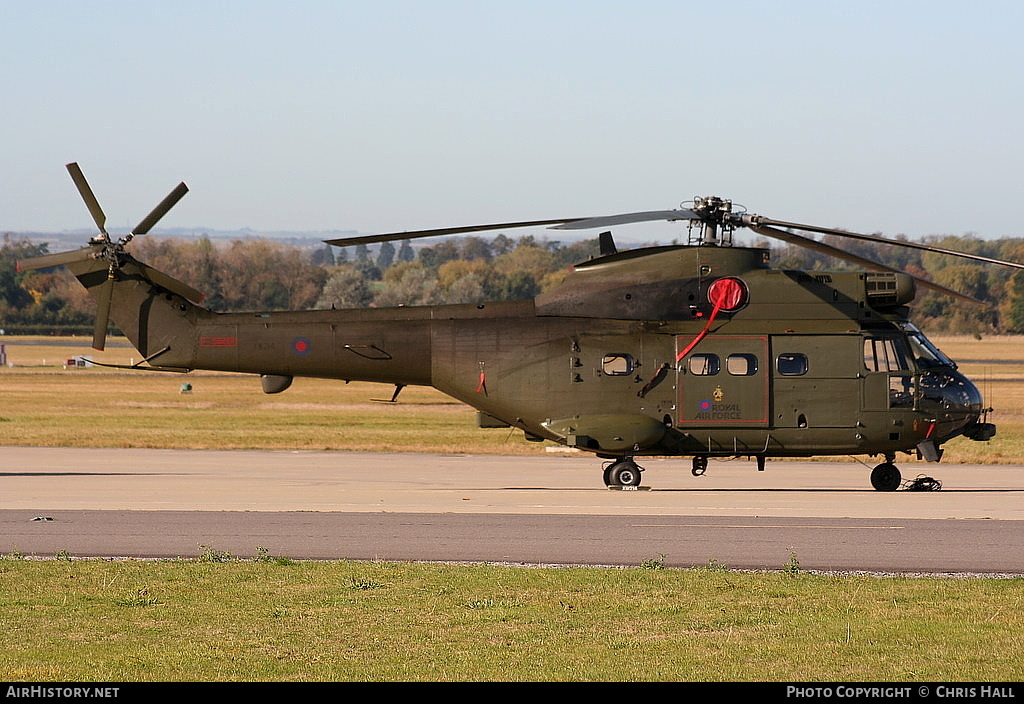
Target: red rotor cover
(728, 294)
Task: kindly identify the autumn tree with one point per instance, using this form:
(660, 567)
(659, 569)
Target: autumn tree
(345, 288)
(406, 284)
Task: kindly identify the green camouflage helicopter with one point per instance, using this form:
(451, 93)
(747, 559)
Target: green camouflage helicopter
(699, 350)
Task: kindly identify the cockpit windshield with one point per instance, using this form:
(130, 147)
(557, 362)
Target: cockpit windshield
(925, 353)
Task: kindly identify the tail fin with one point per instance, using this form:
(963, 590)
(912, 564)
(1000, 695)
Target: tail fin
(155, 311)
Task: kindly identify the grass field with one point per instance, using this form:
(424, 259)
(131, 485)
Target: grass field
(216, 618)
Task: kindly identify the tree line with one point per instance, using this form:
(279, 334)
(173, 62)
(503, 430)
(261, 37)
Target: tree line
(268, 275)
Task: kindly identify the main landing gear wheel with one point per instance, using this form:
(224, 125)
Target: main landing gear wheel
(623, 472)
(700, 465)
(886, 477)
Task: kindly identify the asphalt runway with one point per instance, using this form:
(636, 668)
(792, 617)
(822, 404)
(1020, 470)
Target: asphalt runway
(531, 510)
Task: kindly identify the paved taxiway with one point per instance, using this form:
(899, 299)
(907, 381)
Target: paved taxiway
(548, 509)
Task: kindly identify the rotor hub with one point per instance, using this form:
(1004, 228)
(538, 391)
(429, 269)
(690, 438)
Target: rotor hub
(715, 222)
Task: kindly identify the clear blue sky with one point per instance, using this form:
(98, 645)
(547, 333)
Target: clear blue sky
(894, 117)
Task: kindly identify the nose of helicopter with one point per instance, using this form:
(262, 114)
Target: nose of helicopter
(955, 404)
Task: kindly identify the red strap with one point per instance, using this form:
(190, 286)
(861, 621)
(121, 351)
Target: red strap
(724, 293)
(702, 334)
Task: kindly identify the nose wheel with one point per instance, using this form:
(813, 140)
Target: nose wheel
(624, 472)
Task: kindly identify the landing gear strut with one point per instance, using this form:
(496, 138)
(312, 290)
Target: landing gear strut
(886, 476)
(623, 472)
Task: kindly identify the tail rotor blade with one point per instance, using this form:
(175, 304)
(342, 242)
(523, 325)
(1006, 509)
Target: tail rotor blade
(48, 260)
(171, 284)
(99, 334)
(160, 210)
(87, 195)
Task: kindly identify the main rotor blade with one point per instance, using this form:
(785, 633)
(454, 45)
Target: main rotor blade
(99, 333)
(559, 224)
(87, 195)
(47, 260)
(415, 234)
(627, 218)
(831, 251)
(751, 220)
(160, 210)
(170, 283)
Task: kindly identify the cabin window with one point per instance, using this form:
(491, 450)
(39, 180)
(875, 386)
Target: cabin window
(884, 354)
(791, 364)
(704, 364)
(741, 364)
(617, 364)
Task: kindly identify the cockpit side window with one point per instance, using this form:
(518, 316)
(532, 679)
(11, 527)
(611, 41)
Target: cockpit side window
(885, 354)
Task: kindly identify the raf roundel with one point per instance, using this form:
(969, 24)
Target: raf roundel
(300, 346)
